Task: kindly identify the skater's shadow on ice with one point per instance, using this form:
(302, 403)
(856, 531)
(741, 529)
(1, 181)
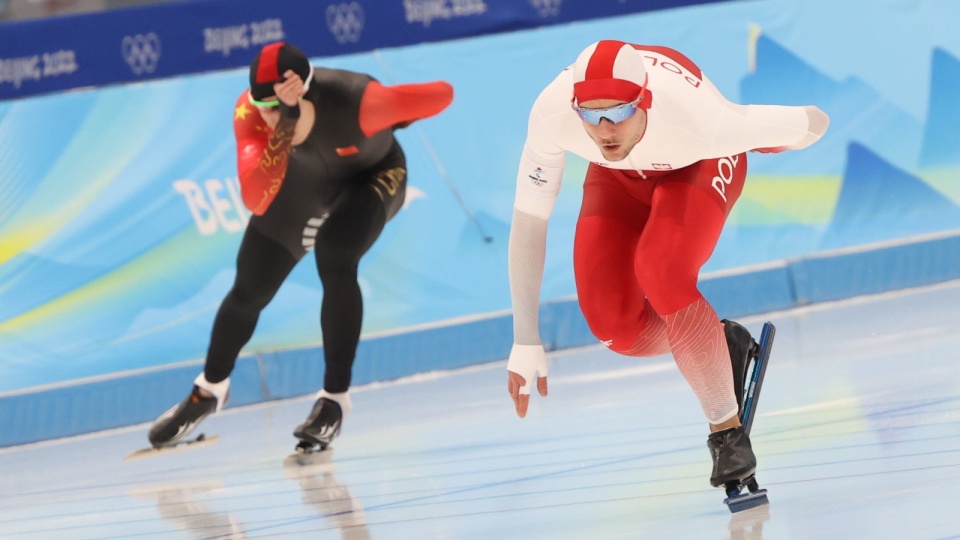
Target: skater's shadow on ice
(181, 506)
(748, 524)
(325, 494)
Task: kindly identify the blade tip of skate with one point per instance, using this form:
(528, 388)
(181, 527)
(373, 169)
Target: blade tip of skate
(153, 450)
(746, 501)
(308, 447)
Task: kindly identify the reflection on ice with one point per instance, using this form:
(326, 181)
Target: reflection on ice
(323, 492)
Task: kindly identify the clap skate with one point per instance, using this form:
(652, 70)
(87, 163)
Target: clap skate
(734, 463)
(169, 431)
(320, 428)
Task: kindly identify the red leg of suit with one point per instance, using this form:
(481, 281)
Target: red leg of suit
(640, 244)
(615, 306)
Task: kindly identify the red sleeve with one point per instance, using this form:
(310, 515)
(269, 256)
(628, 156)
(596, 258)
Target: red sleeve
(384, 107)
(262, 156)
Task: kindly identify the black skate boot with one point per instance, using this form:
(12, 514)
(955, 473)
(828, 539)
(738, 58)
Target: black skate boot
(733, 458)
(734, 463)
(743, 349)
(175, 424)
(320, 427)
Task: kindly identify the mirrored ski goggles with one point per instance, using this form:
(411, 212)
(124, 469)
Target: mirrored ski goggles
(615, 114)
(275, 103)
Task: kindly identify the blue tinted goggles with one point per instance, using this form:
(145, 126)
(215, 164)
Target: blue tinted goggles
(615, 114)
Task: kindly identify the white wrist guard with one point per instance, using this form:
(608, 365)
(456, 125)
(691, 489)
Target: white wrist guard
(528, 361)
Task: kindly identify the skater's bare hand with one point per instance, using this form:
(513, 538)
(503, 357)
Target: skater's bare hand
(522, 401)
(290, 89)
(526, 362)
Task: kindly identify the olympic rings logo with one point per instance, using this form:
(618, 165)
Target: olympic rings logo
(141, 52)
(547, 8)
(345, 21)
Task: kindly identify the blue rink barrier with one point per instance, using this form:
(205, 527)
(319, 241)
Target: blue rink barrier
(170, 39)
(132, 398)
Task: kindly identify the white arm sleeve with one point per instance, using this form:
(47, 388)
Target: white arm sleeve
(537, 190)
(527, 252)
(768, 126)
(538, 184)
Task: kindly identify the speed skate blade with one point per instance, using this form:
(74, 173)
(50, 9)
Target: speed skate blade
(755, 382)
(305, 448)
(746, 501)
(196, 442)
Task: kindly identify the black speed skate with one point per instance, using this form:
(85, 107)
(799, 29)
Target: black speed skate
(733, 457)
(320, 427)
(175, 424)
(734, 463)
